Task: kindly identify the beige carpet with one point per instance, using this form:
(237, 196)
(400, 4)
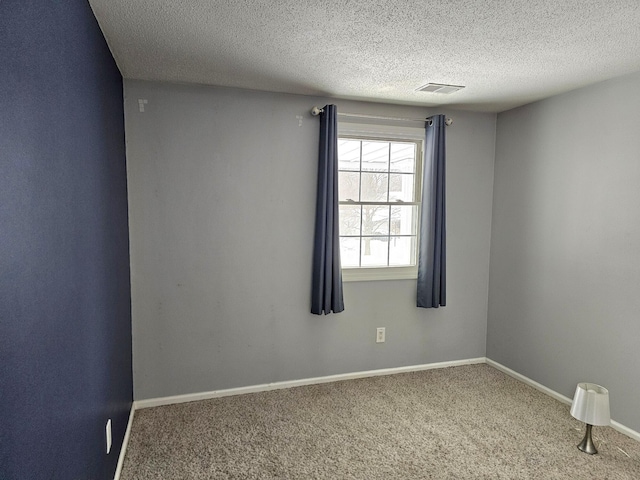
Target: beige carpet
(455, 423)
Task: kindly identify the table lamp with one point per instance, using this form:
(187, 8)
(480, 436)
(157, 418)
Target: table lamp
(591, 406)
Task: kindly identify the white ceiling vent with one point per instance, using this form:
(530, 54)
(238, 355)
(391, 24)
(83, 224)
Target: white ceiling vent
(439, 88)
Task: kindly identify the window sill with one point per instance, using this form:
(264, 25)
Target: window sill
(364, 274)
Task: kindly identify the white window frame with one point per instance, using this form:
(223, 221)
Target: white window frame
(392, 133)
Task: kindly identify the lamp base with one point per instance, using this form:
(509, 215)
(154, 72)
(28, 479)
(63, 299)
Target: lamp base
(586, 445)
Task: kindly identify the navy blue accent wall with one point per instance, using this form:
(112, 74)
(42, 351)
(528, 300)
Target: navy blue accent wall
(65, 305)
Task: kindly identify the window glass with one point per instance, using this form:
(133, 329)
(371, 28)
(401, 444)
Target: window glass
(378, 192)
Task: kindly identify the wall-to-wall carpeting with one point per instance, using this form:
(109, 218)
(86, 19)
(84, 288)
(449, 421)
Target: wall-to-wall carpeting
(65, 321)
(466, 422)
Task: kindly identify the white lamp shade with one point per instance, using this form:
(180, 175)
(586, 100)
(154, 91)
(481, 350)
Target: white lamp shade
(591, 404)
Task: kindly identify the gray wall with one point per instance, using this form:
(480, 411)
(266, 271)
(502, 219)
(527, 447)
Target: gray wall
(564, 299)
(222, 186)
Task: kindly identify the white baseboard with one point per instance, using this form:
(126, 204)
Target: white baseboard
(552, 393)
(125, 442)
(626, 430)
(192, 397)
(528, 381)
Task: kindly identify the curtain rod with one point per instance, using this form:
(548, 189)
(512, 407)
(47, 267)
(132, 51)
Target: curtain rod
(315, 111)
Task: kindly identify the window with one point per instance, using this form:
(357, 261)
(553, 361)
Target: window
(379, 191)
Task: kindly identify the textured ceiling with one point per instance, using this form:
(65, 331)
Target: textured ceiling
(506, 53)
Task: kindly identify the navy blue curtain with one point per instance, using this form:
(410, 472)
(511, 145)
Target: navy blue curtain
(432, 241)
(326, 295)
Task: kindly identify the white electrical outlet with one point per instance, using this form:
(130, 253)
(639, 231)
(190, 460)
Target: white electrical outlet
(380, 335)
(108, 429)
